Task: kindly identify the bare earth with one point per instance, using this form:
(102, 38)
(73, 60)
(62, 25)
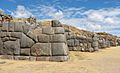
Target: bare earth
(103, 61)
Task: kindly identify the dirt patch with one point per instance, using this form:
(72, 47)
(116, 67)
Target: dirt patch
(103, 61)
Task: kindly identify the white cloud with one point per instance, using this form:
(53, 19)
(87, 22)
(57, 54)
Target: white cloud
(21, 12)
(93, 20)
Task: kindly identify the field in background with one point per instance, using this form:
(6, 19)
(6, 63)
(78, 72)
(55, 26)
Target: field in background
(103, 61)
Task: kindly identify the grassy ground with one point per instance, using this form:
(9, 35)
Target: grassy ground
(103, 61)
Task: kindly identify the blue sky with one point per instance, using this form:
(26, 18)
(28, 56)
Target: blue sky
(92, 15)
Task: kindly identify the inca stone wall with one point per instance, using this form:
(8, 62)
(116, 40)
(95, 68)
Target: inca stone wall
(82, 43)
(21, 41)
(88, 44)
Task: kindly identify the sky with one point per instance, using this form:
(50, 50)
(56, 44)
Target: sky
(92, 15)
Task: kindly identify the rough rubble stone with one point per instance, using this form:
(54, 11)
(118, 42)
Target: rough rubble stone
(76, 42)
(70, 42)
(59, 49)
(41, 49)
(26, 42)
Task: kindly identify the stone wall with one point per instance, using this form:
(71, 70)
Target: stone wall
(92, 43)
(21, 41)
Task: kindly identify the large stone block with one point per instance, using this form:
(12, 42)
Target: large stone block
(5, 27)
(26, 28)
(56, 23)
(43, 38)
(18, 27)
(58, 38)
(59, 49)
(26, 42)
(43, 58)
(21, 58)
(12, 47)
(59, 30)
(32, 36)
(59, 58)
(47, 30)
(25, 52)
(41, 49)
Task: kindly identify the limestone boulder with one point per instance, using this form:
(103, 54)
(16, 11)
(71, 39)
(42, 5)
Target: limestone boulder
(41, 49)
(25, 51)
(12, 47)
(59, 49)
(58, 38)
(26, 42)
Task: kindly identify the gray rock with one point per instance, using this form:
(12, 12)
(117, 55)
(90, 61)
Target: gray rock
(12, 47)
(47, 30)
(41, 49)
(5, 39)
(12, 39)
(70, 43)
(56, 23)
(32, 36)
(59, 58)
(26, 42)
(95, 44)
(43, 38)
(59, 30)
(59, 49)
(58, 38)
(43, 58)
(76, 42)
(25, 52)
(1, 46)
(26, 28)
